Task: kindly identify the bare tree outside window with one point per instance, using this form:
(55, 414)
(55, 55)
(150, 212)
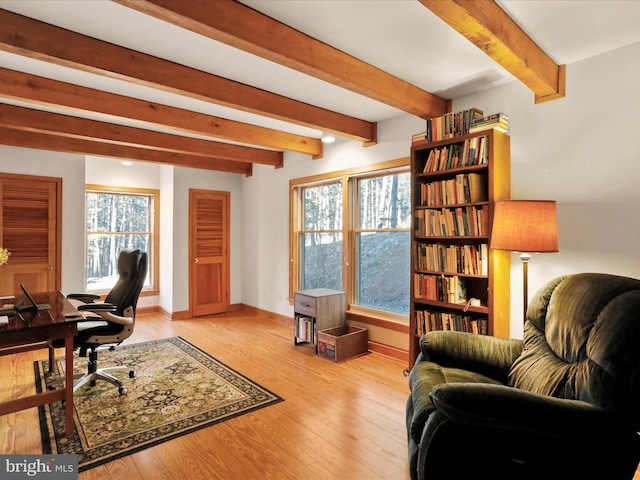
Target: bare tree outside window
(382, 243)
(115, 221)
(321, 237)
(373, 266)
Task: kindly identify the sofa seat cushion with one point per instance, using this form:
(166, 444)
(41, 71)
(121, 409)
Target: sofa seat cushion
(426, 375)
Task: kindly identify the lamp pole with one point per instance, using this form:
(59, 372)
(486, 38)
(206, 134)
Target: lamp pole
(525, 257)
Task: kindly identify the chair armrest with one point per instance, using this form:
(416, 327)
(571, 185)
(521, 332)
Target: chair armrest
(483, 354)
(84, 297)
(96, 307)
(497, 406)
(105, 311)
(111, 317)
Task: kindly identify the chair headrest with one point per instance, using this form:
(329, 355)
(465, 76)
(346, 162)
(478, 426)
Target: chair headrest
(132, 271)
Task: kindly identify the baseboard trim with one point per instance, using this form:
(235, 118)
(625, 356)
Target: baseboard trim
(186, 314)
(152, 309)
(265, 312)
(376, 347)
(389, 351)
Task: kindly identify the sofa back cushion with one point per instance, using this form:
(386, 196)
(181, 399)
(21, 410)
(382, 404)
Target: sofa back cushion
(582, 342)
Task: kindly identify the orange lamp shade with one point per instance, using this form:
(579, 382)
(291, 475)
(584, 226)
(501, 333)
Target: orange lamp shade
(525, 226)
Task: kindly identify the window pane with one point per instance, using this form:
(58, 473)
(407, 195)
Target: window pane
(384, 201)
(112, 212)
(383, 276)
(115, 221)
(321, 260)
(322, 206)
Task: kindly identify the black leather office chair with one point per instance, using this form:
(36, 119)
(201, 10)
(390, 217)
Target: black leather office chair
(111, 322)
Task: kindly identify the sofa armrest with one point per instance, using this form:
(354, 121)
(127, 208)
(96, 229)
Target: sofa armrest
(497, 406)
(489, 356)
(517, 434)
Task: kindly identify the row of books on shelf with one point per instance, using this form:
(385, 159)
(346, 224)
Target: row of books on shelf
(427, 320)
(442, 288)
(306, 328)
(463, 259)
(497, 121)
(473, 151)
(451, 125)
(464, 188)
(452, 222)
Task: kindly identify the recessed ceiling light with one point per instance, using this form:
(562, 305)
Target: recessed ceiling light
(328, 137)
(126, 163)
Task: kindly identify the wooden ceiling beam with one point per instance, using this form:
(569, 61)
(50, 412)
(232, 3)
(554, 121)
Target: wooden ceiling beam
(241, 27)
(26, 119)
(42, 91)
(489, 28)
(31, 38)
(44, 141)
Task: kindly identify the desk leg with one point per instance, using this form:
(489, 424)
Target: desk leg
(52, 359)
(68, 385)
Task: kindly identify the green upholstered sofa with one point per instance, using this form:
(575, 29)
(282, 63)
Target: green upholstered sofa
(563, 403)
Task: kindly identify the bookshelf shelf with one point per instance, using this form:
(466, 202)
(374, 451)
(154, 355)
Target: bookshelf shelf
(452, 306)
(455, 183)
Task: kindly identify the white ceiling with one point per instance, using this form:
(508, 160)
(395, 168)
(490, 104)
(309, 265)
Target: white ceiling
(401, 37)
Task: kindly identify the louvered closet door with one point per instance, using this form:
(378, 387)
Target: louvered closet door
(30, 230)
(209, 252)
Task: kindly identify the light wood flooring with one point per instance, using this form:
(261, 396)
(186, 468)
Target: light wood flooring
(342, 421)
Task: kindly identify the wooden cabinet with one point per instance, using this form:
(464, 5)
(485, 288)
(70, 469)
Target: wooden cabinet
(455, 183)
(317, 309)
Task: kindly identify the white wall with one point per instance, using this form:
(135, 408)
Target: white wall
(265, 271)
(71, 169)
(165, 297)
(189, 178)
(111, 171)
(582, 152)
(174, 184)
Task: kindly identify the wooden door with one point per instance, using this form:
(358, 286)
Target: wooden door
(209, 252)
(30, 228)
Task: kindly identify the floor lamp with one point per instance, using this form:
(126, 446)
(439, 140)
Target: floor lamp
(525, 227)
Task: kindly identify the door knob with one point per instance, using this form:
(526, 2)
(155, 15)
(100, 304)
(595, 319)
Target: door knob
(195, 260)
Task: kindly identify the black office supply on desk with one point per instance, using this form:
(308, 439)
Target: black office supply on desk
(18, 307)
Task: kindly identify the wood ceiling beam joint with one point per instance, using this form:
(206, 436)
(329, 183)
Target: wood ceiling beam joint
(489, 27)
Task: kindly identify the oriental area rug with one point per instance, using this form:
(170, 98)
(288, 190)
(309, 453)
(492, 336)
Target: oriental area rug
(177, 389)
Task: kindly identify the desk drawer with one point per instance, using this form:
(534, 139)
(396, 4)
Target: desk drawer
(305, 304)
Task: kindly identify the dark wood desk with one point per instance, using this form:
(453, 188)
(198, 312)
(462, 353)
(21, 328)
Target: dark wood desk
(37, 331)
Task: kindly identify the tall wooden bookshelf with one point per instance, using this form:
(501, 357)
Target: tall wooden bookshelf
(452, 202)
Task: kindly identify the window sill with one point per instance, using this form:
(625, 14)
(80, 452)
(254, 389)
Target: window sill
(391, 321)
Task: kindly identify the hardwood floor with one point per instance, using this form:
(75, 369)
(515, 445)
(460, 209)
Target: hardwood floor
(343, 421)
